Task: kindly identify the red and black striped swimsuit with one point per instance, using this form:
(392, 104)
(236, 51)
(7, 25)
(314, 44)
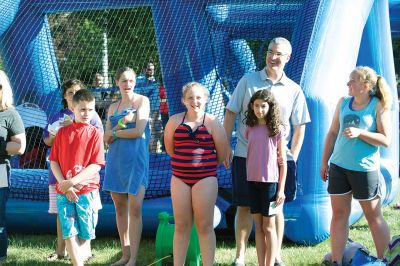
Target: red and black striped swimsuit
(194, 155)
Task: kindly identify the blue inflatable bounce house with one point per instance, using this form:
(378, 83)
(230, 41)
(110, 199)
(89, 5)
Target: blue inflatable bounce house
(214, 42)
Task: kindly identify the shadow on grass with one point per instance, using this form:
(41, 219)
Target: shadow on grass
(357, 226)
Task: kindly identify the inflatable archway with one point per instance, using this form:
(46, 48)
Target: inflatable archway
(394, 11)
(213, 41)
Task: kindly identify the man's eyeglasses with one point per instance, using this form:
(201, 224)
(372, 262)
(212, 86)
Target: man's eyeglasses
(270, 52)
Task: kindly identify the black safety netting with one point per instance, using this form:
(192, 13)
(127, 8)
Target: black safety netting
(91, 43)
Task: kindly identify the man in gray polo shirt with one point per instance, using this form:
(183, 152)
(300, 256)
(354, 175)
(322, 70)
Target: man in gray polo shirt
(294, 115)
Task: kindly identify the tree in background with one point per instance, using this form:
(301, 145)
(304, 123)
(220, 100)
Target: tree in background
(396, 55)
(78, 41)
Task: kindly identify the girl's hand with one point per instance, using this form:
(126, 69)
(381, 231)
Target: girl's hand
(66, 122)
(125, 120)
(129, 117)
(280, 197)
(324, 171)
(65, 186)
(351, 132)
(280, 160)
(108, 137)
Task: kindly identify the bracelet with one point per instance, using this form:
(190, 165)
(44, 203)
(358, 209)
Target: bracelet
(114, 133)
(121, 124)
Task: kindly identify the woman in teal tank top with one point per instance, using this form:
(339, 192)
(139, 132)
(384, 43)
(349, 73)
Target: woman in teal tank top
(127, 164)
(360, 125)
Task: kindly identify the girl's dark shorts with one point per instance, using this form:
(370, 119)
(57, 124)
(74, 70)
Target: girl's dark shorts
(363, 185)
(240, 193)
(261, 195)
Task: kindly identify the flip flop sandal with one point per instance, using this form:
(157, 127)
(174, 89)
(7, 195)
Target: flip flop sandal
(54, 256)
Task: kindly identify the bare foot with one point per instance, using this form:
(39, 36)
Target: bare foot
(131, 262)
(122, 261)
(61, 252)
(87, 258)
(55, 256)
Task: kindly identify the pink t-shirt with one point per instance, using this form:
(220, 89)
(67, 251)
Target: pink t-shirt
(262, 154)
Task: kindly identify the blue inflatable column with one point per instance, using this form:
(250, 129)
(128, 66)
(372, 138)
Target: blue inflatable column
(182, 27)
(29, 57)
(332, 54)
(376, 51)
(220, 47)
(234, 58)
(243, 58)
(8, 12)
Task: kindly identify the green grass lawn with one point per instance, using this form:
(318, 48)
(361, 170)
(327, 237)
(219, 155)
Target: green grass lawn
(33, 250)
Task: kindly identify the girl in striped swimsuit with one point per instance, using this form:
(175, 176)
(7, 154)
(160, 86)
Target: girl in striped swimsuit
(196, 142)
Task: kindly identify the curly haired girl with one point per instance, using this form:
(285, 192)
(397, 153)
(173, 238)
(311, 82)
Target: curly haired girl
(266, 178)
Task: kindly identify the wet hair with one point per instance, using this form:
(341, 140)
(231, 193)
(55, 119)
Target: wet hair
(7, 98)
(67, 85)
(377, 84)
(281, 41)
(82, 95)
(272, 118)
(120, 71)
(193, 84)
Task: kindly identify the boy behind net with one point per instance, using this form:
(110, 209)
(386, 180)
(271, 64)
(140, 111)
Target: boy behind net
(76, 158)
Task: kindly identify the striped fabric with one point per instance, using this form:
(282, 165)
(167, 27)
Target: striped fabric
(52, 199)
(392, 252)
(194, 156)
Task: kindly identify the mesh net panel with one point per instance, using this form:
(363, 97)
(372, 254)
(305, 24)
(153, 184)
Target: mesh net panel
(92, 44)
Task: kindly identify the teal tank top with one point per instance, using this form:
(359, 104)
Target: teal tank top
(356, 154)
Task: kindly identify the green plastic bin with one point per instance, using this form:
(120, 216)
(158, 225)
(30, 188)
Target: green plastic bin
(164, 241)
